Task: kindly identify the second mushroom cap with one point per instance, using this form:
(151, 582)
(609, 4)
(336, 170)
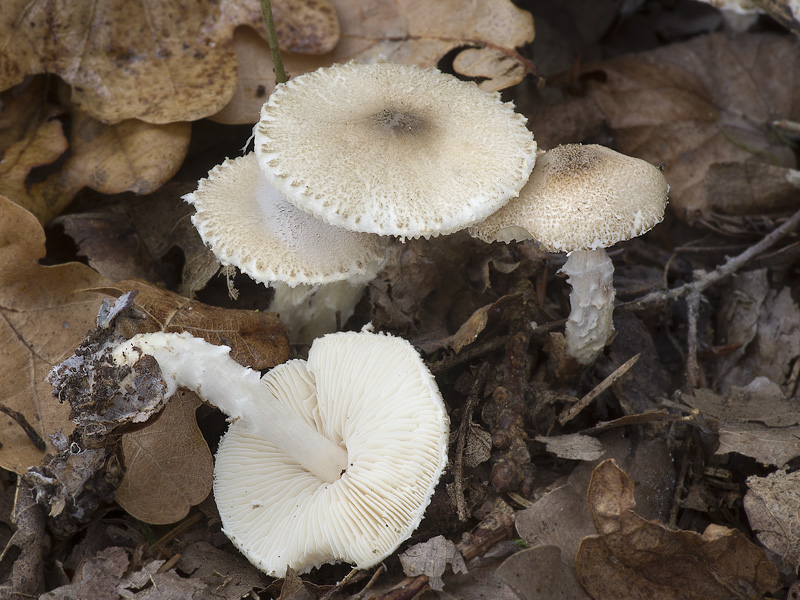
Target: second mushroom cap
(393, 149)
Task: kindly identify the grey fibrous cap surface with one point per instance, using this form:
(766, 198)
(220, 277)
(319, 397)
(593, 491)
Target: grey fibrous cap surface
(581, 197)
(247, 223)
(393, 149)
(371, 394)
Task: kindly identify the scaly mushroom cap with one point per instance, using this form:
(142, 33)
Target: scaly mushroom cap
(247, 223)
(581, 197)
(373, 395)
(393, 149)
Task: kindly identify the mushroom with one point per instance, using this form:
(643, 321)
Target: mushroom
(318, 271)
(582, 199)
(393, 149)
(333, 459)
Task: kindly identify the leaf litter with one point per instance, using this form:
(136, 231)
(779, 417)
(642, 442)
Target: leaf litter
(704, 420)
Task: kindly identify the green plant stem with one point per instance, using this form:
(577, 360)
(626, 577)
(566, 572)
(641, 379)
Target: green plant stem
(272, 40)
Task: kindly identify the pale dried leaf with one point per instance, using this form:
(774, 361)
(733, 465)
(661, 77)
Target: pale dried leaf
(574, 446)
(768, 445)
(169, 467)
(230, 575)
(431, 558)
(162, 63)
(772, 504)
(44, 315)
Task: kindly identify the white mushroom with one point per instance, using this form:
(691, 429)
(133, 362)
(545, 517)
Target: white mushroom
(318, 271)
(393, 149)
(334, 459)
(582, 199)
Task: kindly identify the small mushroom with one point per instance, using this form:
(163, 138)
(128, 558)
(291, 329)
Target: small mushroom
(582, 199)
(333, 459)
(393, 149)
(318, 271)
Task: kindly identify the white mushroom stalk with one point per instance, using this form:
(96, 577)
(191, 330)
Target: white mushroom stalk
(590, 274)
(581, 200)
(209, 371)
(364, 398)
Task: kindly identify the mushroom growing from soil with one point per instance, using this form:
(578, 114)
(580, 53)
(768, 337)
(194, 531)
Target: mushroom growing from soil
(582, 199)
(326, 460)
(393, 149)
(318, 271)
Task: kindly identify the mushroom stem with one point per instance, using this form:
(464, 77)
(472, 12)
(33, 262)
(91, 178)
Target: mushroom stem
(590, 323)
(238, 391)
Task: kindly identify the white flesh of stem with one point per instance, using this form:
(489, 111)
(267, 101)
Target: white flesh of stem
(237, 391)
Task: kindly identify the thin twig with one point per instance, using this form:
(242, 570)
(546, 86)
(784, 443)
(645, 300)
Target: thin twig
(706, 280)
(34, 437)
(463, 429)
(693, 310)
(570, 413)
(272, 40)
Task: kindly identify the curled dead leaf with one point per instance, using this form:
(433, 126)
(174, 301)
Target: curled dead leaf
(408, 32)
(771, 505)
(648, 560)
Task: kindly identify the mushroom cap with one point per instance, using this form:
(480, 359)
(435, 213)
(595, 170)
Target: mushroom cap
(581, 197)
(247, 223)
(373, 395)
(393, 149)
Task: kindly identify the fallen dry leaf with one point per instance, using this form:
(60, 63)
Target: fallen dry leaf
(257, 340)
(648, 560)
(129, 156)
(230, 575)
(168, 466)
(756, 421)
(25, 549)
(406, 31)
(96, 578)
(162, 63)
(771, 505)
(45, 313)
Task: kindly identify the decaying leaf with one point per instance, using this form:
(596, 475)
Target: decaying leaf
(765, 323)
(771, 505)
(168, 466)
(408, 32)
(128, 156)
(431, 558)
(230, 575)
(756, 421)
(96, 578)
(45, 313)
(162, 63)
(648, 560)
(257, 340)
(22, 560)
(698, 107)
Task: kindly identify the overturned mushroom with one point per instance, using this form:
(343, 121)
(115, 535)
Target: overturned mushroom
(581, 199)
(333, 459)
(318, 271)
(393, 149)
